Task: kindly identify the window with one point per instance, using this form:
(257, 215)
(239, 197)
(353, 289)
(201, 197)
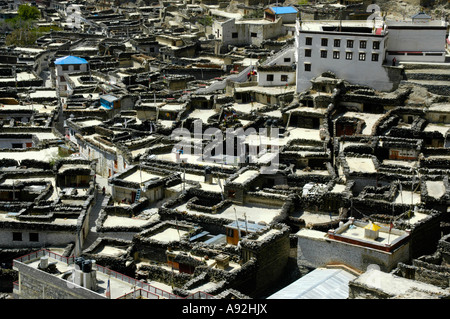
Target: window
(349, 55)
(287, 59)
(376, 45)
(337, 43)
(323, 54)
(308, 41)
(234, 35)
(362, 57)
(34, 237)
(362, 44)
(62, 78)
(336, 55)
(269, 77)
(253, 34)
(307, 67)
(349, 43)
(307, 52)
(374, 56)
(284, 78)
(65, 67)
(76, 67)
(324, 42)
(17, 236)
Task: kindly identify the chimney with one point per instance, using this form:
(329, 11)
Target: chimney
(371, 231)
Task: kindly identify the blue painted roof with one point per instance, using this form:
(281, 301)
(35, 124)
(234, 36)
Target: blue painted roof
(70, 59)
(283, 10)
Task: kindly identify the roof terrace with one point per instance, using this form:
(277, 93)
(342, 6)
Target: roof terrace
(120, 286)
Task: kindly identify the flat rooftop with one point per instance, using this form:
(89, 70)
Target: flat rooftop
(120, 285)
(352, 26)
(168, 234)
(254, 212)
(115, 221)
(357, 232)
(141, 176)
(399, 287)
(245, 176)
(435, 189)
(361, 164)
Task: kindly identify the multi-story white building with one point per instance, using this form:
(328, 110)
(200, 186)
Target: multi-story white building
(363, 52)
(67, 65)
(416, 40)
(354, 51)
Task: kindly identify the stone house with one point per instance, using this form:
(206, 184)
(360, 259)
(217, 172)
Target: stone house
(356, 244)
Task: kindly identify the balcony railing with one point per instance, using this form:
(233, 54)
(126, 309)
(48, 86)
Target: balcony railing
(145, 290)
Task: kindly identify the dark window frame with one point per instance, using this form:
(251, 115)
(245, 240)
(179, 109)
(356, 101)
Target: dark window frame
(17, 236)
(34, 237)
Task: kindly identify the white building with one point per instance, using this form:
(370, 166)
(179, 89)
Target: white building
(354, 51)
(416, 40)
(67, 65)
(362, 52)
(247, 32)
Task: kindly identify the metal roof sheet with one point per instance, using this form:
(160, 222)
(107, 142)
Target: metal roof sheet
(321, 283)
(283, 10)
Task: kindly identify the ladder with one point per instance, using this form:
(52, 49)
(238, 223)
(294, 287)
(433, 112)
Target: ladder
(138, 195)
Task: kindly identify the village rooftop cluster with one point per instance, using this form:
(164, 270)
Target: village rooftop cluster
(101, 197)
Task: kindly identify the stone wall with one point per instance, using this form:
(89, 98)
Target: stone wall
(320, 251)
(37, 284)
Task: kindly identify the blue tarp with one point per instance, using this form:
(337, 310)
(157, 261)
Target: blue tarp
(70, 59)
(283, 10)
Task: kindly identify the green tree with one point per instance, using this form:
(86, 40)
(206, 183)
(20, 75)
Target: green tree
(27, 12)
(21, 37)
(205, 21)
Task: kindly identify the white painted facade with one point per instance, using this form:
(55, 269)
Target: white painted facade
(62, 70)
(108, 163)
(247, 32)
(277, 77)
(353, 56)
(416, 41)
